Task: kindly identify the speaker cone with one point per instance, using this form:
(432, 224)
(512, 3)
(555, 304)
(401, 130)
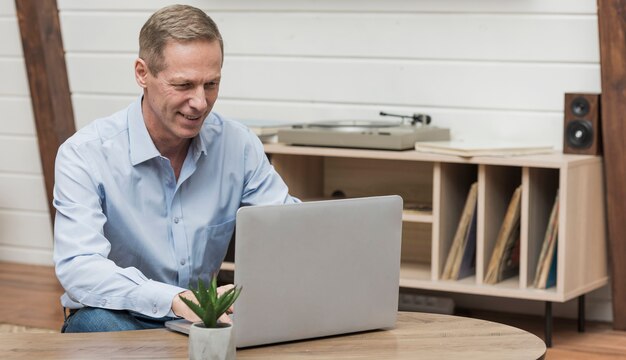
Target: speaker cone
(579, 133)
(580, 107)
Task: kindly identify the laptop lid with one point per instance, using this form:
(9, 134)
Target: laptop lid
(316, 269)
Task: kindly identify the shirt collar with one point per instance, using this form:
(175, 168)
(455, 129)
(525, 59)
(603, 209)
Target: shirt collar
(141, 145)
(199, 144)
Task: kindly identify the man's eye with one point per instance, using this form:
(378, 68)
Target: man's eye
(211, 85)
(182, 86)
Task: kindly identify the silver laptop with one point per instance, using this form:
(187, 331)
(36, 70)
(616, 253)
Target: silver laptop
(316, 269)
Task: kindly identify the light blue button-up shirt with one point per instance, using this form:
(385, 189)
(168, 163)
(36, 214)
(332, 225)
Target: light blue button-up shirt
(127, 234)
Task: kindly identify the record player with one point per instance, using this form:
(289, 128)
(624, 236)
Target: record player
(365, 134)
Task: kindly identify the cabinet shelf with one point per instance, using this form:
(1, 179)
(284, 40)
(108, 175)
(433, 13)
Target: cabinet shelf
(417, 216)
(440, 183)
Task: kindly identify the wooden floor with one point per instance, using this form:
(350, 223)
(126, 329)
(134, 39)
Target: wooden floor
(30, 297)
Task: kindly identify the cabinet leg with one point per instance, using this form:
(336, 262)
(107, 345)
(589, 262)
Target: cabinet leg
(548, 324)
(581, 313)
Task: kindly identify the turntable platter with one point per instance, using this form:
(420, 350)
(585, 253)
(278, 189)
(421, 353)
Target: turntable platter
(361, 134)
(351, 125)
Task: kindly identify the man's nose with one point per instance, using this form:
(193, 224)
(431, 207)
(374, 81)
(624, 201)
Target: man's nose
(198, 99)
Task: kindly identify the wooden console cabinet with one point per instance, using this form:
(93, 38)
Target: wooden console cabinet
(436, 186)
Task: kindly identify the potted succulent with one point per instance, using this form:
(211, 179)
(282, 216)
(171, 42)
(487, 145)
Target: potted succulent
(210, 339)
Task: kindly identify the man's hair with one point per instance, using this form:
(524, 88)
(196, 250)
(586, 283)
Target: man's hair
(176, 22)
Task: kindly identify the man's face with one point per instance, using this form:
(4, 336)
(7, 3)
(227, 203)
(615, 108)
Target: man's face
(178, 99)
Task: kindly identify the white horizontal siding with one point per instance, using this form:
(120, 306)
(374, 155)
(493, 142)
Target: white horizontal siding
(7, 8)
(90, 107)
(10, 44)
(19, 154)
(26, 255)
(472, 85)
(16, 117)
(13, 74)
(12, 224)
(22, 192)
(495, 6)
(505, 125)
(430, 36)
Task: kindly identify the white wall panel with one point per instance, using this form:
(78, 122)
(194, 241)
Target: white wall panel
(469, 124)
(88, 108)
(537, 87)
(431, 36)
(27, 255)
(10, 41)
(19, 154)
(13, 75)
(7, 8)
(514, 86)
(16, 116)
(504, 125)
(25, 229)
(496, 6)
(102, 74)
(22, 192)
(102, 32)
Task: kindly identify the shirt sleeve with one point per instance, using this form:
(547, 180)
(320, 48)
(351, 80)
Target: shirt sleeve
(81, 249)
(262, 185)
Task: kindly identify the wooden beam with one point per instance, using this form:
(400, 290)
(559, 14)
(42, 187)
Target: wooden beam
(612, 28)
(47, 78)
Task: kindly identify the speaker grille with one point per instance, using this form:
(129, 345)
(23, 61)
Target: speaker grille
(579, 134)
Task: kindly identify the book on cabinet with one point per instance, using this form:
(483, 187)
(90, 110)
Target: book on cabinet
(504, 261)
(546, 264)
(464, 240)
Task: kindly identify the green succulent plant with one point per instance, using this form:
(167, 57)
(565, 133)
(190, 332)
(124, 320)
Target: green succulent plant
(210, 306)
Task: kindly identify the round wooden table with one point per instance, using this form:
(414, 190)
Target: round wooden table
(416, 336)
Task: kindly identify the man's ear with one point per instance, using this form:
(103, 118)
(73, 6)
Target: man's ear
(141, 72)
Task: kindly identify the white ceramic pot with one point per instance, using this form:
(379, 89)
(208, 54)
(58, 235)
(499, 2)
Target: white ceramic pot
(211, 343)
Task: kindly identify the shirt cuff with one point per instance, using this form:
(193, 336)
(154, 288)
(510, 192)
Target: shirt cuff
(157, 301)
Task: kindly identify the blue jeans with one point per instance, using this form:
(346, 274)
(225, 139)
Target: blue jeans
(90, 319)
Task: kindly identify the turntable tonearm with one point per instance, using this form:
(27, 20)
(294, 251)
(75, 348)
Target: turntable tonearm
(366, 134)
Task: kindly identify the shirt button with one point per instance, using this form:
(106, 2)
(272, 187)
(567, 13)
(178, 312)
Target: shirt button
(176, 220)
(154, 310)
(103, 302)
(183, 262)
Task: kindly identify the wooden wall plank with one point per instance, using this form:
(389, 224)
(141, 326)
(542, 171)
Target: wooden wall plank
(389, 82)
(25, 229)
(499, 6)
(26, 255)
(14, 79)
(17, 116)
(22, 192)
(612, 26)
(10, 40)
(49, 90)
(26, 146)
(511, 125)
(7, 8)
(517, 37)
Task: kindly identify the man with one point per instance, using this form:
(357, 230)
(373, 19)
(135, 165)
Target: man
(146, 198)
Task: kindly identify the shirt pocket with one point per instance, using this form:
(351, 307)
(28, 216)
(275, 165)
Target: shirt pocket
(211, 247)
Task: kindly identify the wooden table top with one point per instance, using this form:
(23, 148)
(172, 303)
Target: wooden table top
(416, 336)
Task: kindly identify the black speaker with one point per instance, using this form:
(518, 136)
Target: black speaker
(581, 129)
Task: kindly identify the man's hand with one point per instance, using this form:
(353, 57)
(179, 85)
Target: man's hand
(182, 310)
